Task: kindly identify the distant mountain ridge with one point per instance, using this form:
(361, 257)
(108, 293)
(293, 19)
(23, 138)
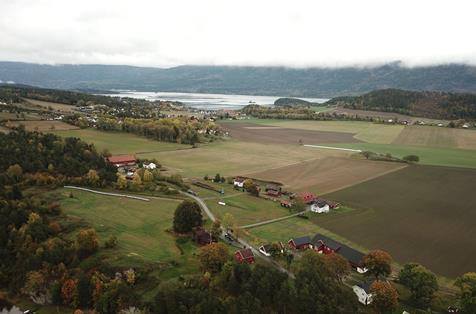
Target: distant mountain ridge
(273, 81)
(429, 104)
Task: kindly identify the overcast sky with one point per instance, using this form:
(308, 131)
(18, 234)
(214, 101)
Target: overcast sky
(290, 33)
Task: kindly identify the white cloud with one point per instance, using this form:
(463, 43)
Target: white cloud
(260, 32)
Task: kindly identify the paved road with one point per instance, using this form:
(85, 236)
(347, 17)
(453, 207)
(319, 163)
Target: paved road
(242, 242)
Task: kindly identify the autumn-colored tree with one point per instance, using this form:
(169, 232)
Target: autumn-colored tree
(467, 295)
(136, 181)
(86, 242)
(148, 176)
(384, 297)
(121, 182)
(378, 263)
(15, 172)
(338, 265)
(216, 229)
(69, 292)
(92, 177)
(228, 221)
(213, 256)
(36, 286)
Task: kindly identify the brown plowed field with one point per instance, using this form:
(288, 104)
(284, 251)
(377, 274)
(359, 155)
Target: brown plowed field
(423, 214)
(248, 132)
(327, 174)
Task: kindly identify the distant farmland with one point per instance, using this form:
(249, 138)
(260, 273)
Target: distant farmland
(424, 214)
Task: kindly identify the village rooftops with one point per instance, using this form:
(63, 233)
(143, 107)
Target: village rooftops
(319, 239)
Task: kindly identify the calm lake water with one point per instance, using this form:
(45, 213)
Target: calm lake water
(209, 101)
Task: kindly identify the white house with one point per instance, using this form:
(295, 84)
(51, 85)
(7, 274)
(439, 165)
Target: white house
(465, 126)
(362, 291)
(150, 166)
(319, 206)
(238, 182)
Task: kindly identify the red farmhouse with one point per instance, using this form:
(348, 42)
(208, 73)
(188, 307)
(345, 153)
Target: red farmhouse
(245, 256)
(325, 245)
(122, 160)
(301, 243)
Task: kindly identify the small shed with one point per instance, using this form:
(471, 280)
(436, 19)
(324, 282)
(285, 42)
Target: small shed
(245, 256)
(287, 204)
(150, 166)
(202, 237)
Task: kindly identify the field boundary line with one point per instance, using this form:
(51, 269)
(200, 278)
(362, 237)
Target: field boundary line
(335, 148)
(261, 223)
(107, 193)
(366, 179)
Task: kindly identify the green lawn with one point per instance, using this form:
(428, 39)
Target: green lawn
(119, 142)
(428, 155)
(139, 226)
(247, 209)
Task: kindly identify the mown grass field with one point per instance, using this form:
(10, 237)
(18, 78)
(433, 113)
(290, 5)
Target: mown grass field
(420, 213)
(119, 142)
(439, 156)
(48, 104)
(437, 137)
(236, 158)
(140, 226)
(247, 209)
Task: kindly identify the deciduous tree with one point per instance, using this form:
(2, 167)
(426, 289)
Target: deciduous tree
(384, 297)
(187, 216)
(87, 242)
(213, 256)
(378, 263)
(421, 282)
(467, 295)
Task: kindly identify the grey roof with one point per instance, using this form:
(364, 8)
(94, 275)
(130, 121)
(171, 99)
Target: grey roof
(353, 256)
(302, 240)
(327, 241)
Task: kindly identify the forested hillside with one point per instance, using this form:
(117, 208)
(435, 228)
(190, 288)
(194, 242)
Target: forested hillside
(280, 81)
(437, 105)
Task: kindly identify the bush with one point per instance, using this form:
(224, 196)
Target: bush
(411, 158)
(111, 242)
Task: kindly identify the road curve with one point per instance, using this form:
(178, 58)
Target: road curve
(242, 242)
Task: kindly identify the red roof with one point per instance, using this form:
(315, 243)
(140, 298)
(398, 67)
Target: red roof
(307, 196)
(122, 159)
(246, 253)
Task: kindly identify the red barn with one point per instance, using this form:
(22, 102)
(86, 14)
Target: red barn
(122, 160)
(302, 243)
(245, 256)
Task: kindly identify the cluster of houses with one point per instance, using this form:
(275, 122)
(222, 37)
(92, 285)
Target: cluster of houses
(128, 164)
(325, 245)
(315, 204)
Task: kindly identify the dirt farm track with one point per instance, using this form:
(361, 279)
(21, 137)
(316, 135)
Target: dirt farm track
(423, 214)
(249, 132)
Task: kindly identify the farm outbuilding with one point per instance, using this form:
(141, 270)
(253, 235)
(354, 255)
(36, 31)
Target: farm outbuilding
(245, 256)
(302, 243)
(308, 197)
(325, 245)
(238, 182)
(202, 237)
(122, 160)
